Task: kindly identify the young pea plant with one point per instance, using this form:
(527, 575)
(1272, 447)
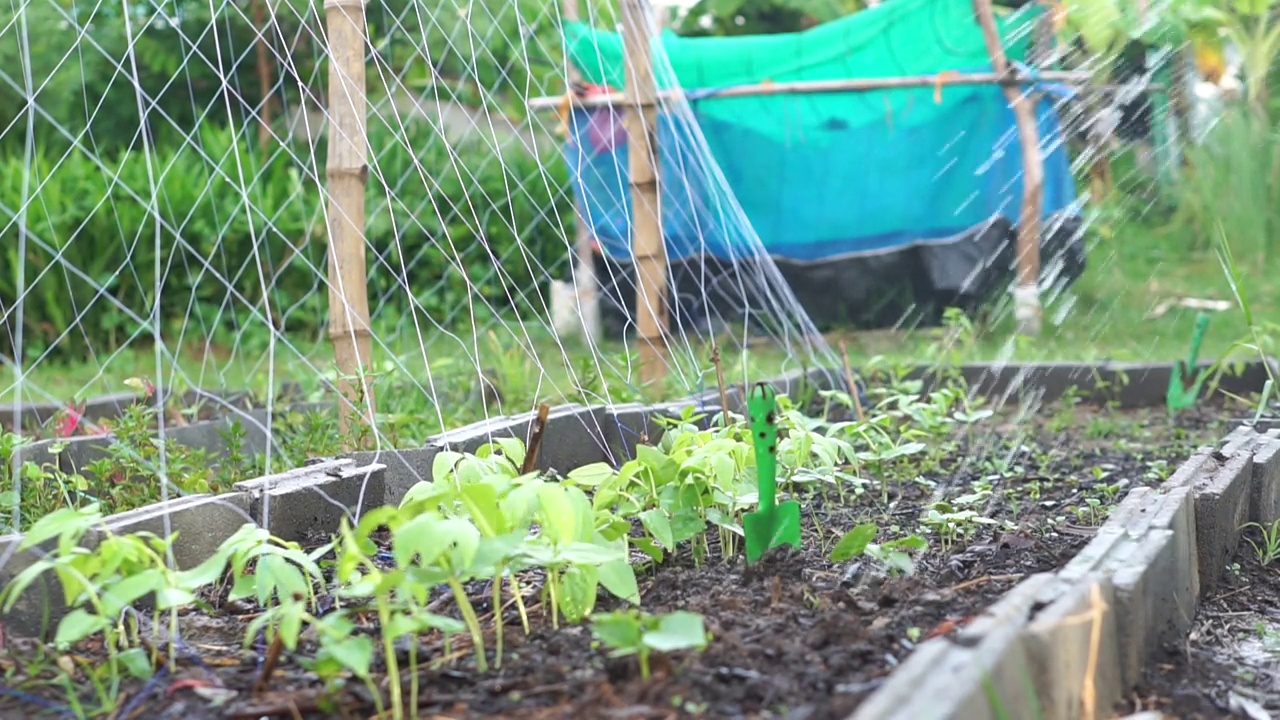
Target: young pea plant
(634, 632)
(893, 554)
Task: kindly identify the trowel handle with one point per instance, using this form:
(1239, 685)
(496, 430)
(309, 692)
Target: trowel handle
(762, 410)
(1197, 336)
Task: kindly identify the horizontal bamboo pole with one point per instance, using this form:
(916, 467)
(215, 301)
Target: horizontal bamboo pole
(813, 87)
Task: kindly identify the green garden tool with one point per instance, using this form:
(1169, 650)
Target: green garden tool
(771, 525)
(1183, 389)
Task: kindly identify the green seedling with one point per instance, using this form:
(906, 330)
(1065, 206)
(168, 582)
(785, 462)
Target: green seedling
(772, 524)
(1184, 388)
(633, 632)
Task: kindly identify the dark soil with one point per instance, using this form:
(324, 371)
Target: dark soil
(1229, 667)
(798, 636)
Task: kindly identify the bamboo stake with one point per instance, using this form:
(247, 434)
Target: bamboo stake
(585, 273)
(648, 248)
(346, 173)
(1026, 293)
(818, 87)
(266, 73)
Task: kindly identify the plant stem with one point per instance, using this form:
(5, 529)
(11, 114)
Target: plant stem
(389, 653)
(524, 614)
(497, 617)
(413, 676)
(473, 623)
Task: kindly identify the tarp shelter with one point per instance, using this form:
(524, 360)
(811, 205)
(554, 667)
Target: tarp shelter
(868, 202)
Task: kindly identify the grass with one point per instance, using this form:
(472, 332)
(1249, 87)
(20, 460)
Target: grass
(1133, 266)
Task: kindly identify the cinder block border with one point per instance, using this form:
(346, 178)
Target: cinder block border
(1095, 623)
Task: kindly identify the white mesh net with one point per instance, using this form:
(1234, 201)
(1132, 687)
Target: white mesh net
(167, 204)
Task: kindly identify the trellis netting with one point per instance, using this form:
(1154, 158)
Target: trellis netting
(870, 203)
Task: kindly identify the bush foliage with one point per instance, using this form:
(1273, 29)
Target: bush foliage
(445, 221)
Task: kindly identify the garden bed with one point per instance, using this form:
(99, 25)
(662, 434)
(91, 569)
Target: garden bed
(801, 635)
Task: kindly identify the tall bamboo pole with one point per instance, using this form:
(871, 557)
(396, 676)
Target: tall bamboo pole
(347, 174)
(647, 247)
(1026, 293)
(584, 275)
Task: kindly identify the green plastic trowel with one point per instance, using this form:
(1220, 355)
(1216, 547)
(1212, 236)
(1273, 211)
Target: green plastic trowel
(1184, 387)
(771, 525)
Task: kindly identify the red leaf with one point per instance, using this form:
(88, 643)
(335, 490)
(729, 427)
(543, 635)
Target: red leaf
(70, 419)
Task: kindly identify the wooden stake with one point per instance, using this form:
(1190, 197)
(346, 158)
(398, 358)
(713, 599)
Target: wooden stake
(1026, 294)
(346, 173)
(266, 73)
(724, 394)
(584, 274)
(648, 248)
(534, 445)
(851, 381)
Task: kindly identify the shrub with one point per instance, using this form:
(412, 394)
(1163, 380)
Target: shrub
(1232, 184)
(436, 218)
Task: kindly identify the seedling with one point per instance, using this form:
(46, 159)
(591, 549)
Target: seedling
(1183, 387)
(1268, 551)
(633, 632)
(772, 525)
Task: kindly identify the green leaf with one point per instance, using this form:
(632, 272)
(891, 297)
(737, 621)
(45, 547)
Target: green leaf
(678, 630)
(581, 553)
(481, 501)
(120, 595)
(173, 597)
(854, 542)
(591, 475)
(137, 663)
(559, 518)
(209, 571)
(664, 469)
(464, 541)
(428, 494)
(655, 521)
(577, 596)
(620, 631)
(355, 653)
(619, 578)
(420, 537)
(78, 625)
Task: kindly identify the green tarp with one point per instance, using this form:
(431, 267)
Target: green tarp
(900, 37)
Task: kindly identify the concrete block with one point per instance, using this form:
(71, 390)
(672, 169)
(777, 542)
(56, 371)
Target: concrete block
(37, 611)
(1242, 437)
(921, 673)
(313, 499)
(1176, 512)
(625, 426)
(1128, 519)
(1014, 609)
(573, 436)
(1264, 485)
(211, 435)
(201, 523)
(1221, 499)
(1072, 653)
(945, 679)
(1189, 471)
(404, 468)
(1149, 587)
(40, 453)
(80, 452)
